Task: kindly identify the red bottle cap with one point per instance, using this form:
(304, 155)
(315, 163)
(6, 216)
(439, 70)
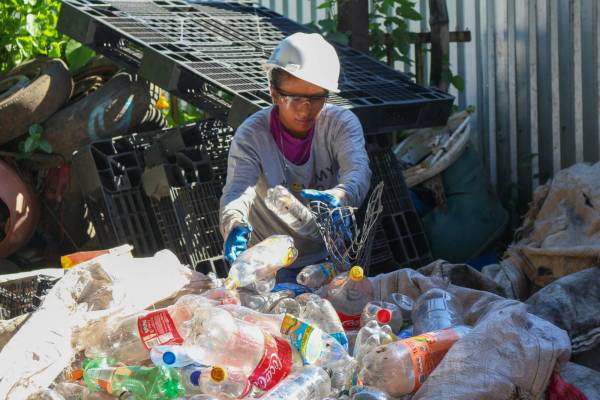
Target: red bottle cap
(383, 315)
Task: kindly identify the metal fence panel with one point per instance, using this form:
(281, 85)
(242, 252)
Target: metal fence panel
(531, 71)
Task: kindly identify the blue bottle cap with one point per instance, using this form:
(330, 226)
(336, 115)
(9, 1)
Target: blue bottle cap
(195, 378)
(169, 358)
(296, 288)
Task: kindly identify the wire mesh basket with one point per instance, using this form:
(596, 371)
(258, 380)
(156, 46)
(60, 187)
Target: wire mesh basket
(348, 231)
(23, 295)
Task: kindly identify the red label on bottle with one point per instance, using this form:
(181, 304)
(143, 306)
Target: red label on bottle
(349, 322)
(157, 328)
(274, 365)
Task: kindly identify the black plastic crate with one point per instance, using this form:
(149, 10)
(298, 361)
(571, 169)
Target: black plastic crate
(210, 54)
(164, 195)
(400, 240)
(23, 295)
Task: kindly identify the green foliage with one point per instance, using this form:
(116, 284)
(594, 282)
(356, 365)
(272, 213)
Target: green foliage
(329, 26)
(449, 78)
(34, 142)
(28, 30)
(77, 55)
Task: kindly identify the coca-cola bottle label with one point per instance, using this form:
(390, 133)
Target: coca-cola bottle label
(274, 365)
(349, 322)
(157, 329)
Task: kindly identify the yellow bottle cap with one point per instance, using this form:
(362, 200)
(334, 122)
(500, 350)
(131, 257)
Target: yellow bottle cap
(162, 103)
(66, 262)
(230, 283)
(356, 273)
(218, 374)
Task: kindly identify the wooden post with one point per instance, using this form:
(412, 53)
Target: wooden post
(353, 16)
(440, 52)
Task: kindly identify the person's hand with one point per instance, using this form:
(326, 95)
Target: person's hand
(319, 195)
(341, 225)
(236, 242)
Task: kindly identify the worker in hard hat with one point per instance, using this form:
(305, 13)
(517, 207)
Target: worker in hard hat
(314, 149)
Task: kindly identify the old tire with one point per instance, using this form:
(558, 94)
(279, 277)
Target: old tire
(30, 93)
(114, 109)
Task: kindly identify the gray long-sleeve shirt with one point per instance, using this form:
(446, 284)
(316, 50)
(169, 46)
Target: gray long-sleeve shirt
(338, 163)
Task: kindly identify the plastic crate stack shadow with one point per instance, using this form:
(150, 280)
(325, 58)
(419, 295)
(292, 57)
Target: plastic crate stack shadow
(159, 190)
(400, 240)
(23, 295)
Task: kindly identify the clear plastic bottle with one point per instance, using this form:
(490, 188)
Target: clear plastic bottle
(221, 339)
(286, 306)
(222, 295)
(319, 312)
(367, 393)
(262, 261)
(436, 309)
(387, 310)
(316, 275)
(349, 293)
(373, 334)
(405, 304)
(263, 302)
(401, 367)
(291, 210)
(309, 383)
(190, 378)
(225, 381)
(170, 356)
(130, 339)
(270, 323)
(145, 383)
(321, 349)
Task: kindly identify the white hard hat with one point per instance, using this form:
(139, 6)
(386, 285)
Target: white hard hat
(307, 56)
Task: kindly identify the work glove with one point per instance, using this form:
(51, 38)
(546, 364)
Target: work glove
(342, 226)
(237, 242)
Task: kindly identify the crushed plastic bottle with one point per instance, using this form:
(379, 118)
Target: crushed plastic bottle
(262, 261)
(145, 383)
(316, 275)
(436, 309)
(221, 339)
(263, 302)
(349, 293)
(319, 312)
(130, 339)
(376, 310)
(286, 306)
(373, 334)
(170, 356)
(311, 382)
(222, 295)
(291, 210)
(294, 287)
(401, 367)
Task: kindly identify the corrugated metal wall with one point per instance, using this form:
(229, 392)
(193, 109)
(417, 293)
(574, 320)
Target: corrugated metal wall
(531, 71)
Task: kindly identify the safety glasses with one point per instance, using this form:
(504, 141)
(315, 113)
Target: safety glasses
(298, 101)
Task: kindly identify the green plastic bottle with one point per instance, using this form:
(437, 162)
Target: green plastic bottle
(145, 383)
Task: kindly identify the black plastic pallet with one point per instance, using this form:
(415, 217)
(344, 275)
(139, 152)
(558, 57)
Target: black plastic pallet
(159, 190)
(400, 240)
(210, 54)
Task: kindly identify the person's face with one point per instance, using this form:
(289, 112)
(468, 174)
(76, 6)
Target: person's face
(299, 104)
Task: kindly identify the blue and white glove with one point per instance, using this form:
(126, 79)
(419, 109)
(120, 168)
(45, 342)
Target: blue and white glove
(341, 225)
(237, 242)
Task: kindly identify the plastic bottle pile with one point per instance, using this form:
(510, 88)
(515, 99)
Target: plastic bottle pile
(242, 340)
